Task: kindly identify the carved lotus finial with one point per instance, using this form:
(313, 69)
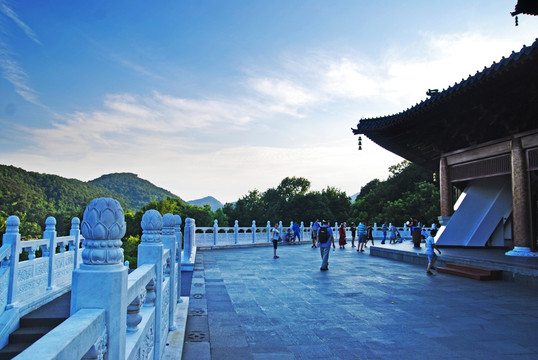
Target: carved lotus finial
(103, 220)
(152, 224)
(103, 226)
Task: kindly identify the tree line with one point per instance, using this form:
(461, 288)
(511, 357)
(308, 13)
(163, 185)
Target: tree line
(409, 191)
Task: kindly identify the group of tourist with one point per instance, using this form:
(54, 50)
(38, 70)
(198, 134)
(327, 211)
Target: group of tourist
(323, 237)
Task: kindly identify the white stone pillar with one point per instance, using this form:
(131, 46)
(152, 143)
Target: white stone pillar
(12, 237)
(215, 231)
(50, 234)
(150, 251)
(169, 241)
(236, 231)
(179, 237)
(189, 251)
(75, 244)
(101, 280)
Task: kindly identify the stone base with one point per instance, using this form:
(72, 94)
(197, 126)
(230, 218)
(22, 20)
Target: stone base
(443, 220)
(521, 251)
(188, 264)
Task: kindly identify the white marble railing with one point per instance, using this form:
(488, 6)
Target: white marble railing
(216, 236)
(114, 315)
(26, 285)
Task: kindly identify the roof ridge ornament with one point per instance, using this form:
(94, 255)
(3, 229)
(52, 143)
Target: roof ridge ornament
(432, 92)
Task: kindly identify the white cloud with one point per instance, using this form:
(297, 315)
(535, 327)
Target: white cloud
(226, 145)
(350, 79)
(13, 16)
(10, 68)
(12, 72)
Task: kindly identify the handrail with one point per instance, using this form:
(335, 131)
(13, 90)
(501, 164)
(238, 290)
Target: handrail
(4, 251)
(72, 339)
(138, 280)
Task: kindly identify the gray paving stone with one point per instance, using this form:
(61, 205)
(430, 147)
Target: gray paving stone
(362, 308)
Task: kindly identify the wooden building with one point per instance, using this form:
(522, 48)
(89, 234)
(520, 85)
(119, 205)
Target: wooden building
(481, 135)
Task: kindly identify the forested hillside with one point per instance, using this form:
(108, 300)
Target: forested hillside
(135, 191)
(33, 197)
(213, 203)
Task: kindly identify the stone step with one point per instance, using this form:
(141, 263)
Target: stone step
(472, 272)
(11, 350)
(27, 322)
(35, 325)
(28, 334)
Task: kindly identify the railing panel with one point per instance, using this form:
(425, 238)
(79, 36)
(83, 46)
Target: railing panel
(73, 339)
(32, 278)
(63, 267)
(4, 286)
(139, 345)
(165, 312)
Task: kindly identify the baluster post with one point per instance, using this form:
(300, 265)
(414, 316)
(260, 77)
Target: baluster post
(12, 237)
(253, 231)
(50, 234)
(236, 231)
(169, 242)
(335, 230)
(215, 231)
(74, 245)
(291, 230)
(101, 280)
(179, 236)
(133, 313)
(189, 253)
(302, 231)
(268, 231)
(150, 251)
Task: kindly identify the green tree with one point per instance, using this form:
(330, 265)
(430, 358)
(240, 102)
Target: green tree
(409, 191)
(130, 250)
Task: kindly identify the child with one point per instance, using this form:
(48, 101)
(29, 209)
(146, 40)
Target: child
(289, 237)
(430, 246)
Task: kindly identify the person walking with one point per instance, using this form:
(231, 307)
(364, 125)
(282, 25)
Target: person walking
(393, 234)
(430, 246)
(296, 233)
(369, 235)
(384, 230)
(342, 236)
(315, 228)
(361, 229)
(353, 229)
(325, 238)
(276, 239)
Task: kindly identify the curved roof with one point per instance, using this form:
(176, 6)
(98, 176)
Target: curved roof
(497, 102)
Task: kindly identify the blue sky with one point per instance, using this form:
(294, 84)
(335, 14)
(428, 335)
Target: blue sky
(223, 97)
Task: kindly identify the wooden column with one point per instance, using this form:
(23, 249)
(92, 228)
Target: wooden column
(520, 202)
(520, 196)
(445, 188)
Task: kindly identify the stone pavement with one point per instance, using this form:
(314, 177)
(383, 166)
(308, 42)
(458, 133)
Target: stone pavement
(246, 305)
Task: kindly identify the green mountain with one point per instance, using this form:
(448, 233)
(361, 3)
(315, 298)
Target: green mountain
(213, 203)
(135, 191)
(34, 196)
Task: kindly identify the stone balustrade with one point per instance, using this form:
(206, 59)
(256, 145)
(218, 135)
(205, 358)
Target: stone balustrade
(216, 236)
(25, 285)
(114, 314)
